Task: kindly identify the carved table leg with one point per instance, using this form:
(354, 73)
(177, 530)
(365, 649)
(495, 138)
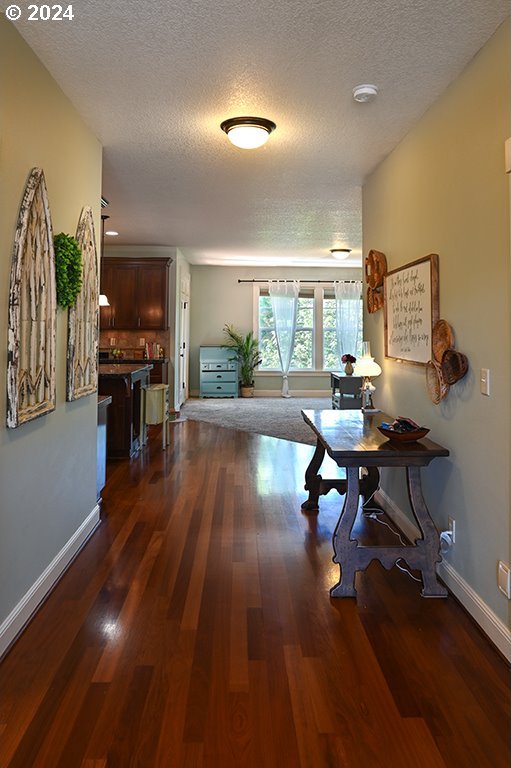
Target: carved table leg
(313, 480)
(429, 547)
(345, 549)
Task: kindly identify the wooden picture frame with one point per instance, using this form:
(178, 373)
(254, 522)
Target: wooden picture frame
(83, 318)
(32, 334)
(411, 309)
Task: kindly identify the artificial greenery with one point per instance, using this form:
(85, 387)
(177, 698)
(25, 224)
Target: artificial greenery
(245, 351)
(68, 267)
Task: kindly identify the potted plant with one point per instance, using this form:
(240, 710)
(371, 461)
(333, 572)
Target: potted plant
(246, 353)
(348, 360)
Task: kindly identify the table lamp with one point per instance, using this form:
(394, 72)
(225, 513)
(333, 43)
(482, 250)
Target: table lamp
(367, 369)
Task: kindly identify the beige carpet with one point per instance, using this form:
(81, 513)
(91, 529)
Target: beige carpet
(274, 416)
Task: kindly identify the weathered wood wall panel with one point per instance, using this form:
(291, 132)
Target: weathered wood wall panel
(32, 309)
(82, 339)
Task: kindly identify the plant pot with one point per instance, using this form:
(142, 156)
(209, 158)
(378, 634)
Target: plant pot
(247, 391)
(348, 369)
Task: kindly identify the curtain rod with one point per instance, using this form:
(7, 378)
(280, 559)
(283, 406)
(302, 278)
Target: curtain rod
(303, 280)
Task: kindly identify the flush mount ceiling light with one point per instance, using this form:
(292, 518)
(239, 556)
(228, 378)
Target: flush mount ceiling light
(248, 132)
(340, 253)
(111, 233)
(364, 93)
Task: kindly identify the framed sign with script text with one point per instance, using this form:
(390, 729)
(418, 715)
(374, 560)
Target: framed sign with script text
(411, 310)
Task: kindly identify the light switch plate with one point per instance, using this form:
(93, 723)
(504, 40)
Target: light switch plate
(484, 380)
(504, 579)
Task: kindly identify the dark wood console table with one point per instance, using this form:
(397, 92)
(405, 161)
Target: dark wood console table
(352, 440)
(123, 383)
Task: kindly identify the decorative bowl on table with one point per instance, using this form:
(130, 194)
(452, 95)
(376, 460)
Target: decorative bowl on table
(404, 437)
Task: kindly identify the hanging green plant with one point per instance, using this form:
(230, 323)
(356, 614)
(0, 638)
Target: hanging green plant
(68, 267)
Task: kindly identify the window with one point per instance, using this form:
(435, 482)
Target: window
(315, 340)
(330, 353)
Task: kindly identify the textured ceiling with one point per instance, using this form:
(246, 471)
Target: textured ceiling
(154, 81)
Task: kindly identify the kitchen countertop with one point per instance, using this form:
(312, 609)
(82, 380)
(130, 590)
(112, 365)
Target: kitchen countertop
(115, 370)
(130, 360)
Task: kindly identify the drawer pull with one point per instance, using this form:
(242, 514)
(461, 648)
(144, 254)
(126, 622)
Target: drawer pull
(219, 375)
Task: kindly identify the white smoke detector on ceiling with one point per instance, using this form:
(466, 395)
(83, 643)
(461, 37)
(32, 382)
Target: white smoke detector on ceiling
(364, 93)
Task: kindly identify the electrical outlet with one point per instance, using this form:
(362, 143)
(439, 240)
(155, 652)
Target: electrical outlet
(504, 578)
(141, 342)
(113, 342)
(451, 527)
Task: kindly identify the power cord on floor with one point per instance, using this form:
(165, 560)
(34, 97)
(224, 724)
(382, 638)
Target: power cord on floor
(374, 513)
(407, 570)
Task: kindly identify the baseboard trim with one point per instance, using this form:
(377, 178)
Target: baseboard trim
(278, 392)
(21, 614)
(295, 393)
(495, 629)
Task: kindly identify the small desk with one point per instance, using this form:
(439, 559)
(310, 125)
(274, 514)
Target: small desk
(352, 441)
(346, 391)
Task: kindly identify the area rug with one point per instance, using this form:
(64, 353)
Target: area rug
(272, 416)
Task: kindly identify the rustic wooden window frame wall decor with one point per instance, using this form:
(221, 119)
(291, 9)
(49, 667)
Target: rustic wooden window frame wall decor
(32, 309)
(83, 318)
(409, 310)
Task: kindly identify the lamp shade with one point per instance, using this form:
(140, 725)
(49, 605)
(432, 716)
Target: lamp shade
(103, 300)
(365, 365)
(248, 132)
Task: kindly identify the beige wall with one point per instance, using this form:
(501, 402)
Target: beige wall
(217, 299)
(47, 466)
(444, 190)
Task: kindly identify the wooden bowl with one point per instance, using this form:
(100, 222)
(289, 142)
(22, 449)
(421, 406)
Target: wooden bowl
(404, 437)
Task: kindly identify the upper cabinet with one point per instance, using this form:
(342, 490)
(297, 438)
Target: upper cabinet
(137, 290)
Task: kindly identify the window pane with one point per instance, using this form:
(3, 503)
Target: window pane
(330, 356)
(265, 312)
(329, 313)
(305, 314)
(302, 354)
(268, 349)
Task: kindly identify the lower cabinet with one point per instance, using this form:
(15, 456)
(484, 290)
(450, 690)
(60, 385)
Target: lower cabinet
(218, 373)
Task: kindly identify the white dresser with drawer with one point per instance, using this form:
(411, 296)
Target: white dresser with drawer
(218, 372)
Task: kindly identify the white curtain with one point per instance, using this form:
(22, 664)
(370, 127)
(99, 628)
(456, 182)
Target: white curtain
(284, 304)
(348, 317)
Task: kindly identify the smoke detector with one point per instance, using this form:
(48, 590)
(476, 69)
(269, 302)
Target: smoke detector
(364, 93)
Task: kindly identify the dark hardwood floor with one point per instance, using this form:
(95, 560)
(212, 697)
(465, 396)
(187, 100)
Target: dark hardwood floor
(196, 629)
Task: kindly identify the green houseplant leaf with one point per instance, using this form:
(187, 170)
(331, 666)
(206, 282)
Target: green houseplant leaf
(245, 351)
(68, 268)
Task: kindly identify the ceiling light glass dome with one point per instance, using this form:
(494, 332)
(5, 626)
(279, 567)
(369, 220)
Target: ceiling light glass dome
(248, 132)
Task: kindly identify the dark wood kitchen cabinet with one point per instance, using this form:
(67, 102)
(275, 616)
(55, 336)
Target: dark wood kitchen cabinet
(137, 290)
